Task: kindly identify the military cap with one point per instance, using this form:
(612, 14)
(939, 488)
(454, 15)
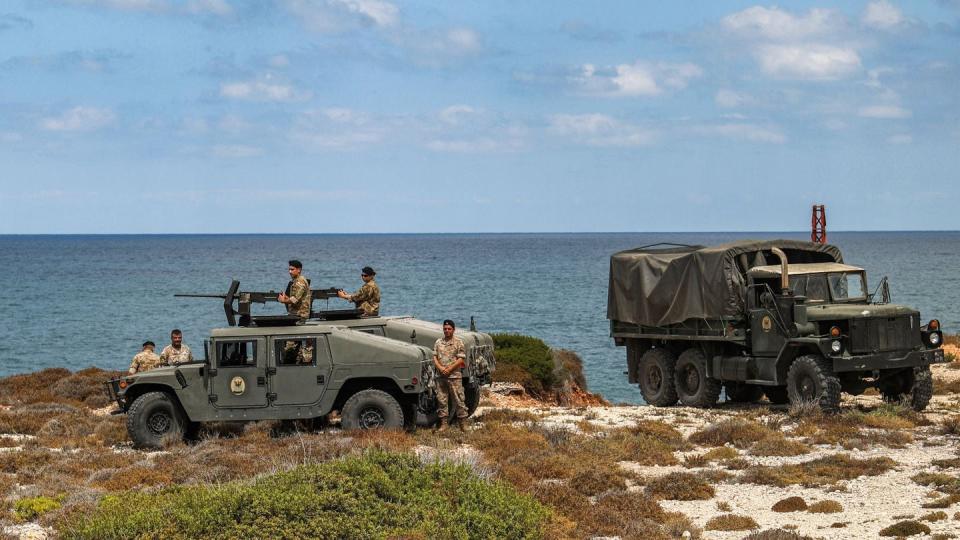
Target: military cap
(367, 271)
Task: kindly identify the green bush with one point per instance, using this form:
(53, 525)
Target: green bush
(33, 507)
(378, 495)
(524, 355)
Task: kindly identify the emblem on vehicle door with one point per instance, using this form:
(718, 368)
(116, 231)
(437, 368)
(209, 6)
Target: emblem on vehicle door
(237, 386)
(766, 323)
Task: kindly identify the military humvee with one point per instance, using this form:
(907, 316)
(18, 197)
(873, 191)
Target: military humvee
(377, 372)
(696, 320)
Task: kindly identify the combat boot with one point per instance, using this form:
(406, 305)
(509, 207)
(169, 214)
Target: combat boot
(443, 425)
(461, 424)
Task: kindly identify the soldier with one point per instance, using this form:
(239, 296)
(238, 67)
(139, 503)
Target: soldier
(297, 296)
(367, 298)
(177, 352)
(146, 359)
(449, 357)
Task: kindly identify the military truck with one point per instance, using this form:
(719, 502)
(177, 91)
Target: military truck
(377, 372)
(783, 318)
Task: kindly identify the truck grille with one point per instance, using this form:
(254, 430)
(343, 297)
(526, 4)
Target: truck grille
(884, 334)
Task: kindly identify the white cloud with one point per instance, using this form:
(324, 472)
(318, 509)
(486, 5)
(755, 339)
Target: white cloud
(220, 8)
(900, 138)
(214, 7)
(816, 62)
(882, 15)
(264, 89)
(475, 146)
(600, 130)
(439, 48)
(455, 114)
(340, 15)
(79, 119)
(236, 151)
(124, 5)
(775, 24)
(885, 112)
(744, 131)
(378, 12)
(632, 80)
(730, 99)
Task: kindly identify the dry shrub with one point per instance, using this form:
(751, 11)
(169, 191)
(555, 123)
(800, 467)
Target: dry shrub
(736, 464)
(778, 445)
(714, 476)
(950, 425)
(827, 470)
(661, 431)
(507, 416)
(737, 432)
(850, 430)
(721, 453)
(26, 463)
(776, 534)
(135, 477)
(69, 430)
(29, 419)
(934, 516)
(942, 387)
(30, 387)
(85, 386)
(594, 481)
(7, 481)
(389, 440)
(621, 445)
(941, 481)
(905, 528)
(695, 461)
(943, 502)
(951, 463)
(790, 504)
(621, 513)
(724, 506)
(825, 507)
(680, 486)
(112, 430)
(731, 522)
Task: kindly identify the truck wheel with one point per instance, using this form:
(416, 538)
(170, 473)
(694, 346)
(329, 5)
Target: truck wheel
(657, 378)
(922, 389)
(811, 379)
(740, 392)
(694, 388)
(154, 417)
(777, 395)
(371, 409)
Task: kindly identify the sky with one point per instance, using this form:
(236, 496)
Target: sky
(354, 116)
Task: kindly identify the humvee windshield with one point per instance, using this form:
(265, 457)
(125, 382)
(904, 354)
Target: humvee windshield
(832, 286)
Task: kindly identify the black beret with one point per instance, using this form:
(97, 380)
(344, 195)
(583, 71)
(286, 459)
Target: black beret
(367, 271)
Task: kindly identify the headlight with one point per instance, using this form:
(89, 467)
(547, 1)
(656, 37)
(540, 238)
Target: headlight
(836, 346)
(934, 338)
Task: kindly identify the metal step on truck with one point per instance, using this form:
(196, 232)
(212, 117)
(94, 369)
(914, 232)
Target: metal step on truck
(783, 318)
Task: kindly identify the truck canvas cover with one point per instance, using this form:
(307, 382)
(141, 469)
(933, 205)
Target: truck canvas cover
(667, 284)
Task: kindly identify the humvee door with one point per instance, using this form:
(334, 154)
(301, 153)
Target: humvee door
(240, 379)
(300, 367)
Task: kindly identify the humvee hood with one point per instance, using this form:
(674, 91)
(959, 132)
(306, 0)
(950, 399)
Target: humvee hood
(829, 312)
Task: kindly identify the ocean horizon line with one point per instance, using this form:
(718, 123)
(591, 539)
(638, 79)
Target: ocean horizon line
(460, 233)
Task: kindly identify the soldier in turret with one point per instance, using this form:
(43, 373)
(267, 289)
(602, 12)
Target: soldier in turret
(146, 359)
(297, 296)
(367, 298)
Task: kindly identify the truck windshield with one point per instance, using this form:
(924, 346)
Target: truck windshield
(847, 286)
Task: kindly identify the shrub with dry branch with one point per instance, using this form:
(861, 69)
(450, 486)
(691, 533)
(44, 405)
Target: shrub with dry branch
(790, 504)
(827, 470)
(731, 522)
(825, 507)
(680, 486)
(737, 432)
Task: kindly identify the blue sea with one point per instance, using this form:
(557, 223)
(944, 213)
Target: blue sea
(77, 301)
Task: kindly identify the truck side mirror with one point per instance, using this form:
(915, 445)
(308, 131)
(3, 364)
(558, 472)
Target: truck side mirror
(885, 291)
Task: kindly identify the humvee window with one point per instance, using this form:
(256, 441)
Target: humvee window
(237, 353)
(375, 330)
(295, 352)
(847, 286)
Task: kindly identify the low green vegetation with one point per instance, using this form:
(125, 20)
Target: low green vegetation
(33, 507)
(377, 495)
(525, 360)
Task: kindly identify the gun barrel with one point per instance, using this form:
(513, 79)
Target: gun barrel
(200, 295)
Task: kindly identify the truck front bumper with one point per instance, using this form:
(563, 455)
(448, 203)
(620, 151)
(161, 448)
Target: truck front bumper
(892, 360)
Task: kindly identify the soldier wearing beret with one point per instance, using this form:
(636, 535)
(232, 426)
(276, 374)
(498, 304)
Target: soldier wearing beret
(298, 295)
(367, 298)
(146, 359)
(449, 357)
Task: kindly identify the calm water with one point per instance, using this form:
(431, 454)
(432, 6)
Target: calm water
(76, 301)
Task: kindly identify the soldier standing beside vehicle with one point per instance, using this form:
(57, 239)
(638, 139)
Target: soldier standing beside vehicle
(146, 359)
(367, 298)
(297, 296)
(177, 352)
(449, 357)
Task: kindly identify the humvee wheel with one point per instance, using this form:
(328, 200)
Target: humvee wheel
(810, 379)
(740, 392)
(694, 388)
(657, 378)
(372, 409)
(153, 417)
(910, 388)
(777, 395)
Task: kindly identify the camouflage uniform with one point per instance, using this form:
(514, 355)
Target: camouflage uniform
(299, 291)
(144, 361)
(367, 298)
(170, 355)
(451, 386)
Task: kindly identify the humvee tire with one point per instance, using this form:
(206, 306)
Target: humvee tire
(153, 417)
(657, 369)
(694, 388)
(811, 379)
(739, 392)
(370, 409)
(910, 388)
(777, 395)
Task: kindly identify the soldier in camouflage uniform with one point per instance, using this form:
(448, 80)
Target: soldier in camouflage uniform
(449, 357)
(146, 359)
(367, 298)
(298, 295)
(177, 352)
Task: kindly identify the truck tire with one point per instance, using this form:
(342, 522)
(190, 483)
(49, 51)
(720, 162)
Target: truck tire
(811, 379)
(657, 378)
(740, 392)
(371, 409)
(153, 418)
(912, 388)
(777, 395)
(922, 389)
(694, 388)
